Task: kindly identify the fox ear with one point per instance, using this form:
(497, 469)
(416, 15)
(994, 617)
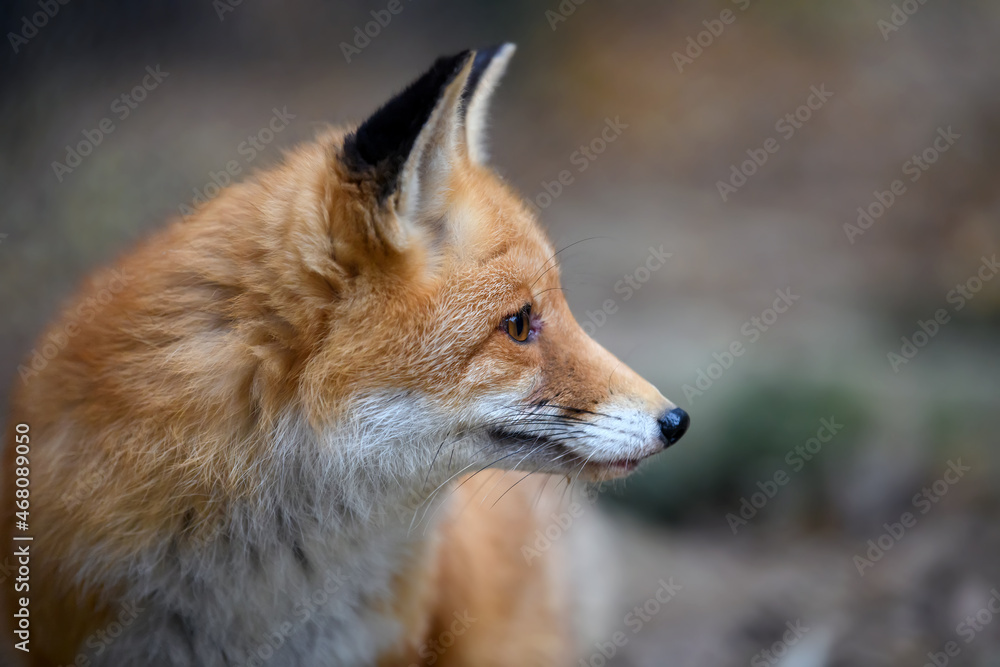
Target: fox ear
(487, 69)
(410, 146)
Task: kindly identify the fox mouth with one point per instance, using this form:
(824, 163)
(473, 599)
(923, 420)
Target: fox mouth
(543, 444)
(553, 455)
(623, 466)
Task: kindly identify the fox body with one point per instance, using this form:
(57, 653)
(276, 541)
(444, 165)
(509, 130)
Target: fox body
(256, 451)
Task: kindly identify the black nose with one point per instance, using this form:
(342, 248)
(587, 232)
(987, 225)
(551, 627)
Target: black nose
(673, 425)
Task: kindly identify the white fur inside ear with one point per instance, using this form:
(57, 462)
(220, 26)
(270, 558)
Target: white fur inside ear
(478, 107)
(435, 154)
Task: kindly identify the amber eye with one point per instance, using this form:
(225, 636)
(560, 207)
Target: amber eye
(518, 326)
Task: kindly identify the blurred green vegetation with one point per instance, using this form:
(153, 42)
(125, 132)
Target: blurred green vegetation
(761, 426)
(720, 461)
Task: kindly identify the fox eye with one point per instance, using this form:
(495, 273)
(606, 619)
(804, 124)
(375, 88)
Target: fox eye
(518, 325)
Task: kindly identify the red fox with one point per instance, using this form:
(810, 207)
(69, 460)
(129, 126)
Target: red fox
(255, 452)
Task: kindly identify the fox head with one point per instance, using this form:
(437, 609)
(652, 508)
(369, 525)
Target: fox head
(449, 336)
(253, 388)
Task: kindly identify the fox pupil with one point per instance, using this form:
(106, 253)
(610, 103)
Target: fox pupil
(517, 325)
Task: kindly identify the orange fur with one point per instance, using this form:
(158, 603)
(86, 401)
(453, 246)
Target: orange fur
(297, 291)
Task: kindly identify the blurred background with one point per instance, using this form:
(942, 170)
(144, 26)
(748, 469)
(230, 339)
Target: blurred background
(836, 501)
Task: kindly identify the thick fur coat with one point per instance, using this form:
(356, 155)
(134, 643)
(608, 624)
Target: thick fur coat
(257, 451)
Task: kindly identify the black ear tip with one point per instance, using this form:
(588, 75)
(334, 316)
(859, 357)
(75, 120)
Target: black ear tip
(380, 146)
(386, 138)
(452, 64)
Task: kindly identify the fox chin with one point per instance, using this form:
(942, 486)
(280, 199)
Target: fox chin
(271, 444)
